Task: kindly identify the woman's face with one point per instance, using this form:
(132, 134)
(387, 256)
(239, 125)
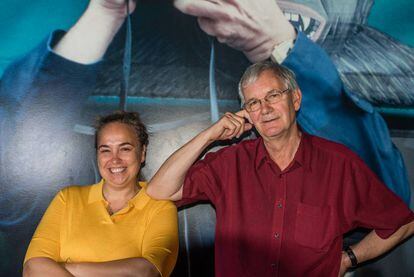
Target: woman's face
(120, 155)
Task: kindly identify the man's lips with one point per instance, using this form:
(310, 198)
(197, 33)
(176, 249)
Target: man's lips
(270, 119)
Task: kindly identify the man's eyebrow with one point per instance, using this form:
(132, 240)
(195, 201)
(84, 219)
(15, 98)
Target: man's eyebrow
(251, 99)
(267, 92)
(275, 89)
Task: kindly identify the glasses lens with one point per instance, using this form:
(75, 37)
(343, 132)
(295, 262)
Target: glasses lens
(253, 105)
(274, 97)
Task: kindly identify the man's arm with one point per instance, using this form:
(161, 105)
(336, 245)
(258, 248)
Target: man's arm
(87, 41)
(373, 246)
(168, 181)
(253, 27)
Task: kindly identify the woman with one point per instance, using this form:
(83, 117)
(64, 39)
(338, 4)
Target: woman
(112, 228)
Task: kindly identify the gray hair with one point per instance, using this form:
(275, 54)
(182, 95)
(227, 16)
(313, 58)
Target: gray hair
(253, 72)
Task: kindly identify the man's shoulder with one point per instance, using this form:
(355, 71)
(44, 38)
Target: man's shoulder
(243, 147)
(332, 149)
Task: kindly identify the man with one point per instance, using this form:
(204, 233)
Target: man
(329, 110)
(283, 200)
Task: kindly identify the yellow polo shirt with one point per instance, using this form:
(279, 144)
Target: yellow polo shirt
(76, 227)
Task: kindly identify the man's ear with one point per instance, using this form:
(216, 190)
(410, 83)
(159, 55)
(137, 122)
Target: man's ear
(297, 98)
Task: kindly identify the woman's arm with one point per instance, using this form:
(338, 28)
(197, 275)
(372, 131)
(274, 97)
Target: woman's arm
(138, 267)
(159, 250)
(40, 266)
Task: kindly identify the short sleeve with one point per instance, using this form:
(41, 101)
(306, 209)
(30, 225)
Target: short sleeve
(160, 245)
(370, 204)
(204, 179)
(46, 239)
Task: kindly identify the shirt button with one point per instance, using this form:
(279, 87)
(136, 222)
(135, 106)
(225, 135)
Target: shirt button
(279, 205)
(277, 235)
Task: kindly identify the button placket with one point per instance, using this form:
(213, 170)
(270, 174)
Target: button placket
(279, 204)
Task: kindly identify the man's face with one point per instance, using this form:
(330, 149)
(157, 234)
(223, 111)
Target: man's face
(272, 120)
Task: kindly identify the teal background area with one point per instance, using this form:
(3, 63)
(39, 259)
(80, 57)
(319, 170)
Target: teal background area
(395, 18)
(24, 23)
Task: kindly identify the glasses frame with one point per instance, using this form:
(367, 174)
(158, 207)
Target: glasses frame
(267, 99)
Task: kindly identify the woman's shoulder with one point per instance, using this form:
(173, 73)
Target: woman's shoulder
(73, 192)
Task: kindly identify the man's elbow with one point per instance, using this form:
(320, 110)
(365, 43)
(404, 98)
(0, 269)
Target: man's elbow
(406, 231)
(159, 194)
(155, 193)
(410, 227)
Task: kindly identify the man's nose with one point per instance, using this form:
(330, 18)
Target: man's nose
(265, 107)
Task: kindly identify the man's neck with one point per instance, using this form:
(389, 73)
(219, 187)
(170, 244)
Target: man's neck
(282, 149)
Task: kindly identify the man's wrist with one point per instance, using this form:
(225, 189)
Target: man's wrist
(345, 264)
(282, 47)
(281, 51)
(206, 137)
(115, 11)
(108, 16)
(353, 261)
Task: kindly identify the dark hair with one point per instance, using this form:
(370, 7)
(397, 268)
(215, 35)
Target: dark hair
(253, 72)
(129, 118)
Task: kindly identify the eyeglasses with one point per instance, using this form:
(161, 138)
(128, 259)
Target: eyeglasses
(272, 97)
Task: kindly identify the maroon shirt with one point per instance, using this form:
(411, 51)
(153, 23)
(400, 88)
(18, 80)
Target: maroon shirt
(290, 222)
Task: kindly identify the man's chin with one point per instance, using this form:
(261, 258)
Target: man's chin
(271, 133)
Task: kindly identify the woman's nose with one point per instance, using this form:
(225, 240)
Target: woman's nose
(115, 158)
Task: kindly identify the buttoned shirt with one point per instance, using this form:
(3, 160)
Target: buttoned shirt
(77, 227)
(290, 222)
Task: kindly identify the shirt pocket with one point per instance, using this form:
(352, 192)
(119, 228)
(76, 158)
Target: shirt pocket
(315, 226)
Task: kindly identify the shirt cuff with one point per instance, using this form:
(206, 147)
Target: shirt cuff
(281, 51)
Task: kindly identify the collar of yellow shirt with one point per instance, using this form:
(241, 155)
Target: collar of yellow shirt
(138, 201)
